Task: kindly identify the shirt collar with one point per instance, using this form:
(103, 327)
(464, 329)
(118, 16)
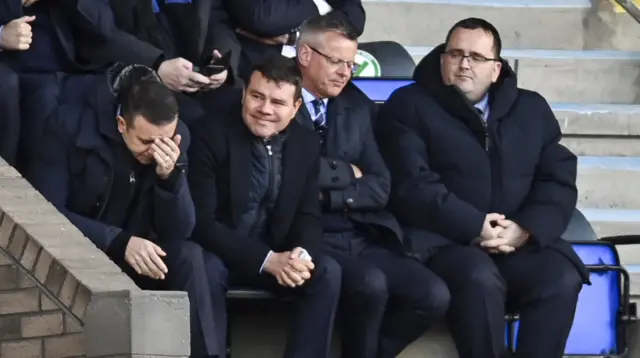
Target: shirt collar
(483, 104)
(307, 97)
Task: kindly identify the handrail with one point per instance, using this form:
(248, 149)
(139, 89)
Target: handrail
(631, 8)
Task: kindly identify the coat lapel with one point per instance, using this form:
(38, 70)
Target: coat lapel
(336, 115)
(239, 171)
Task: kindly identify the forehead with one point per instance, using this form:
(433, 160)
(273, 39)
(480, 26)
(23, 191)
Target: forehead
(282, 91)
(145, 130)
(476, 40)
(336, 44)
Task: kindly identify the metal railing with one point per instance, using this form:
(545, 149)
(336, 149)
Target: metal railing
(631, 8)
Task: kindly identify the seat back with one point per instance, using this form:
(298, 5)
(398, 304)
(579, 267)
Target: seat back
(393, 58)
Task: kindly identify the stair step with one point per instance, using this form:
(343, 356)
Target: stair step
(547, 24)
(569, 76)
(609, 182)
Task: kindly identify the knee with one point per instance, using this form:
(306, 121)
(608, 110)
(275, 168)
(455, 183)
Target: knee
(434, 297)
(183, 255)
(565, 281)
(370, 287)
(327, 273)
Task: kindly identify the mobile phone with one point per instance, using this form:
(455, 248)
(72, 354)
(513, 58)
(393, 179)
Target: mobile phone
(215, 65)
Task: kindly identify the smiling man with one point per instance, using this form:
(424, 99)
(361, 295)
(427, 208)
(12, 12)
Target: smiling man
(254, 176)
(477, 167)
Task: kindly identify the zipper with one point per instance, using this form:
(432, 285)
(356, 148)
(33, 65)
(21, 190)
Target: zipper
(270, 184)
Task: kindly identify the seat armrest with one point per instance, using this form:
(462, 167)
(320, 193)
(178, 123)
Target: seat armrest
(622, 239)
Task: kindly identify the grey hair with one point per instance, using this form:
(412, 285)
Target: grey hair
(311, 29)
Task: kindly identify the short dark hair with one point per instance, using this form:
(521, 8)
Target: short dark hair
(280, 69)
(142, 93)
(328, 23)
(474, 23)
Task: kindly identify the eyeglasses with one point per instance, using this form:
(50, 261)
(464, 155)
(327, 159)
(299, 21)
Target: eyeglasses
(336, 61)
(474, 58)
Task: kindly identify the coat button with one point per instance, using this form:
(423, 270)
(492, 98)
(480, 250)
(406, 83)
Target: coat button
(333, 164)
(335, 179)
(97, 204)
(349, 201)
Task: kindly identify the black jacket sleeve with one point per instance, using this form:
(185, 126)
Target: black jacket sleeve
(10, 10)
(306, 227)
(237, 251)
(369, 192)
(221, 36)
(50, 175)
(547, 209)
(269, 18)
(115, 44)
(418, 197)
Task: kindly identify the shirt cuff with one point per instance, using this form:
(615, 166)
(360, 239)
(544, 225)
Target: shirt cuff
(265, 261)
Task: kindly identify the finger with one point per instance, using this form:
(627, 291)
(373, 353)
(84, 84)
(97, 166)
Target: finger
(159, 158)
(506, 249)
(144, 269)
(157, 261)
(198, 79)
(504, 222)
(494, 217)
(166, 150)
(173, 147)
(293, 275)
(494, 243)
(23, 47)
(177, 139)
(298, 266)
(153, 267)
(25, 19)
(220, 77)
(189, 88)
(286, 280)
(216, 53)
(159, 251)
(135, 266)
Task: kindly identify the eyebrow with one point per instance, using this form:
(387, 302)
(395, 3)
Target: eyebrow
(149, 141)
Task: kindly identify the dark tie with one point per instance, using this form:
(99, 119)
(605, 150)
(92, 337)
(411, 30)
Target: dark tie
(320, 120)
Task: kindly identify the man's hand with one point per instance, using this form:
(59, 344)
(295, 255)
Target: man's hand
(16, 35)
(27, 3)
(145, 257)
(356, 171)
(509, 239)
(166, 152)
(490, 229)
(178, 75)
(216, 80)
(289, 271)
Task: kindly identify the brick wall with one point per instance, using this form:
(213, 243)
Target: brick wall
(61, 297)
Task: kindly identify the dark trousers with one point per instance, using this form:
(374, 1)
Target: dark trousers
(253, 52)
(314, 309)
(388, 300)
(541, 285)
(9, 114)
(187, 272)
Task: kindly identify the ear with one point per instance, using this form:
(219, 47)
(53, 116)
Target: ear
(497, 68)
(304, 54)
(122, 124)
(296, 105)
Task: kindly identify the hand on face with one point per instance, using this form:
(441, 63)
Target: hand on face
(166, 152)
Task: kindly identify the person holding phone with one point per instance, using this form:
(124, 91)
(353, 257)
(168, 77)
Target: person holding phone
(176, 38)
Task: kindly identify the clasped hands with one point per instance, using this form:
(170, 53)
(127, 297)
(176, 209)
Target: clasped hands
(289, 268)
(500, 235)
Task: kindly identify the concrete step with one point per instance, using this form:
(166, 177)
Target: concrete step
(609, 182)
(570, 76)
(600, 129)
(546, 24)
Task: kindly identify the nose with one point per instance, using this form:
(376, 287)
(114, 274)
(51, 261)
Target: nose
(266, 108)
(465, 62)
